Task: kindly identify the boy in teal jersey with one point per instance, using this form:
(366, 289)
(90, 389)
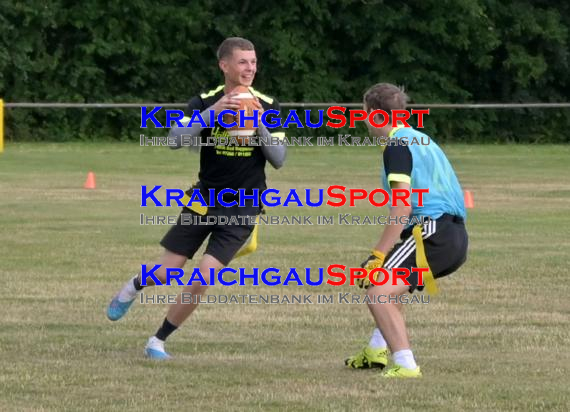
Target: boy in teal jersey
(439, 243)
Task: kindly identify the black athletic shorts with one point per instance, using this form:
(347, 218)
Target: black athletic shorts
(445, 244)
(225, 239)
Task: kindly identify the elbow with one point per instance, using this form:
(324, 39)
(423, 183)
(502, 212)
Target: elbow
(278, 164)
(173, 139)
(275, 155)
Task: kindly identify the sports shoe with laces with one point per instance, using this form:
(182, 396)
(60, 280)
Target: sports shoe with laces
(397, 371)
(117, 309)
(368, 358)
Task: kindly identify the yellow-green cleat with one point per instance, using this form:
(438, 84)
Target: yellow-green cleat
(368, 358)
(397, 371)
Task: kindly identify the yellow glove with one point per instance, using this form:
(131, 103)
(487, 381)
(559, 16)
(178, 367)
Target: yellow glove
(375, 260)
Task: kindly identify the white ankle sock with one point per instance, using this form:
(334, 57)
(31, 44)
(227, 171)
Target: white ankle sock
(128, 292)
(377, 340)
(155, 343)
(405, 358)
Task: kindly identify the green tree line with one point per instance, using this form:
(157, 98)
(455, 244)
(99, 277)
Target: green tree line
(441, 51)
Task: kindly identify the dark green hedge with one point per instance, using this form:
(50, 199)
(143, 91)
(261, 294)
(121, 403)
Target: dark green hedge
(311, 50)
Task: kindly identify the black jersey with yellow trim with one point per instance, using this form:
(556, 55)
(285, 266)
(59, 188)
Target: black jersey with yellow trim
(230, 166)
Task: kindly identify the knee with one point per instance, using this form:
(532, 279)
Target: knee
(373, 293)
(207, 273)
(383, 296)
(169, 260)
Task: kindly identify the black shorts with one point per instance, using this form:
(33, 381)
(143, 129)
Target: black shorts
(445, 244)
(225, 239)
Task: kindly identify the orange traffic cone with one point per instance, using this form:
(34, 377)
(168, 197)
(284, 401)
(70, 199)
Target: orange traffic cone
(90, 182)
(469, 200)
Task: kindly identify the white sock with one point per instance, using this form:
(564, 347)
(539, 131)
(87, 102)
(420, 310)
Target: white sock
(405, 358)
(377, 340)
(155, 343)
(128, 292)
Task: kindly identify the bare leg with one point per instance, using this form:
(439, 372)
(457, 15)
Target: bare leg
(389, 317)
(179, 312)
(168, 260)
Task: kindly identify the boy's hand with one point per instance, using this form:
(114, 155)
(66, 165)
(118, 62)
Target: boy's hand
(375, 260)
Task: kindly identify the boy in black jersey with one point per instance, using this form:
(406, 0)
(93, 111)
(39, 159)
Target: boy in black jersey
(221, 167)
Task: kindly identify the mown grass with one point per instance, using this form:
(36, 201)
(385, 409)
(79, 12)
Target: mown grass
(496, 338)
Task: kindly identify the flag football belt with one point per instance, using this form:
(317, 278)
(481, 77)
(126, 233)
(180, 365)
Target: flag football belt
(422, 262)
(421, 258)
(251, 244)
(194, 206)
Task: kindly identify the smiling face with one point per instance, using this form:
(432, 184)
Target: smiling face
(239, 68)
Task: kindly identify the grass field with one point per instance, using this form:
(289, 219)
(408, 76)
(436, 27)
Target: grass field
(496, 338)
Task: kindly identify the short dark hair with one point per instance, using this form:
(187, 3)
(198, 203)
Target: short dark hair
(385, 96)
(228, 45)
